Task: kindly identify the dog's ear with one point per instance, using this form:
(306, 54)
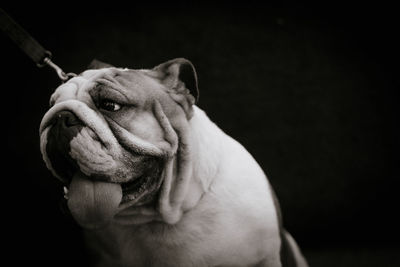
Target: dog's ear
(97, 64)
(179, 76)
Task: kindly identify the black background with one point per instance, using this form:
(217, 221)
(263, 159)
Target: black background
(310, 91)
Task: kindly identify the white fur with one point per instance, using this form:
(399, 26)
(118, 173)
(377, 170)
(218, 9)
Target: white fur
(222, 214)
(234, 223)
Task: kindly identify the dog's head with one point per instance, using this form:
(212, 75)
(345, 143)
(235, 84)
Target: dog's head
(110, 132)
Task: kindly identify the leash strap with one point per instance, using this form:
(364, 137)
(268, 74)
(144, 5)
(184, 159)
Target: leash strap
(30, 46)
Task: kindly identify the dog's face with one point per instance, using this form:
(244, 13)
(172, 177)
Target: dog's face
(110, 132)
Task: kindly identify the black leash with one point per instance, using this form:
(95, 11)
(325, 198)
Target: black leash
(30, 46)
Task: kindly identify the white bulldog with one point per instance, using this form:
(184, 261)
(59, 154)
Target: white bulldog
(152, 180)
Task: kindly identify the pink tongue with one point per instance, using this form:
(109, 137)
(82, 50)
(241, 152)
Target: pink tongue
(92, 203)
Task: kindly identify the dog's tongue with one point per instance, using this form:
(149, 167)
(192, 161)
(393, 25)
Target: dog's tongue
(93, 203)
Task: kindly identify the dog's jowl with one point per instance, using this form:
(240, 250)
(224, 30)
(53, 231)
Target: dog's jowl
(152, 181)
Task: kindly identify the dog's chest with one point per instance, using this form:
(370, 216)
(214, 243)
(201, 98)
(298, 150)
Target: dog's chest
(154, 244)
(195, 241)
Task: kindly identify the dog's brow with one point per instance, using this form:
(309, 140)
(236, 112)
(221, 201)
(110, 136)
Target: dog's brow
(104, 87)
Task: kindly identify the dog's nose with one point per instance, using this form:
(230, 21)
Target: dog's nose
(66, 125)
(67, 119)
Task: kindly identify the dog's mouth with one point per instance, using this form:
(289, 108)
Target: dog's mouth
(78, 148)
(93, 201)
(143, 189)
(138, 190)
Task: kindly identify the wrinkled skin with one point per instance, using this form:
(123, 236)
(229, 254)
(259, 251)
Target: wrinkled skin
(152, 180)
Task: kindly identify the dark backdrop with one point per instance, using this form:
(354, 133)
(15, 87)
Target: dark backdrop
(310, 92)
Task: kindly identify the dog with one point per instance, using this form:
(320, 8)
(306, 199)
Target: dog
(152, 180)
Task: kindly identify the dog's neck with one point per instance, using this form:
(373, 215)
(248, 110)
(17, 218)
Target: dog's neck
(205, 168)
(207, 147)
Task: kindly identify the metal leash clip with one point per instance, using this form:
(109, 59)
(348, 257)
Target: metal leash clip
(61, 74)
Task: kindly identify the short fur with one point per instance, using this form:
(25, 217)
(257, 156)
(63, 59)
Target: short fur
(214, 205)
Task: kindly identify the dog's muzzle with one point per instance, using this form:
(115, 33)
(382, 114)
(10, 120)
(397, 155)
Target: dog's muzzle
(80, 148)
(65, 127)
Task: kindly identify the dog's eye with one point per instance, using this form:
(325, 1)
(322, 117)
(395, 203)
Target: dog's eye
(109, 105)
